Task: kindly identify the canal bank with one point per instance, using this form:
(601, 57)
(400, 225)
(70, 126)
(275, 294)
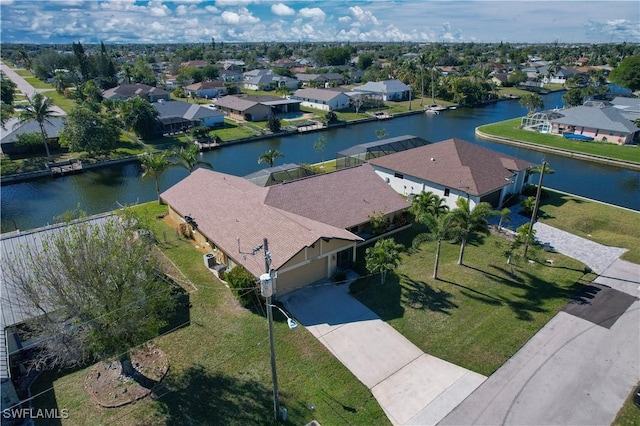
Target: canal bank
(559, 151)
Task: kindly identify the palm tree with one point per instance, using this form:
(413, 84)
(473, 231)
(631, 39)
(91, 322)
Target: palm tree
(504, 217)
(423, 61)
(155, 166)
(383, 257)
(188, 158)
(38, 109)
(270, 157)
(428, 203)
(440, 229)
(466, 222)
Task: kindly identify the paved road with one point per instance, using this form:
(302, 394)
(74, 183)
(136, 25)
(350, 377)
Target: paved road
(413, 388)
(26, 88)
(581, 366)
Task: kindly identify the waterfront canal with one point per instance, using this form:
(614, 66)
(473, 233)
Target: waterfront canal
(36, 203)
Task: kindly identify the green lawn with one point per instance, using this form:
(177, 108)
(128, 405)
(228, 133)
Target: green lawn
(596, 221)
(511, 129)
(629, 414)
(220, 366)
(477, 315)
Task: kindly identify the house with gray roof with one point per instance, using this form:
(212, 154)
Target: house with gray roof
(324, 99)
(389, 90)
(629, 108)
(601, 122)
(312, 230)
(12, 129)
(126, 91)
(207, 89)
(454, 168)
(177, 116)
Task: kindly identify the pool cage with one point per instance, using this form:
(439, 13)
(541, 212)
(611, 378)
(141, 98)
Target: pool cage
(540, 121)
(279, 174)
(361, 153)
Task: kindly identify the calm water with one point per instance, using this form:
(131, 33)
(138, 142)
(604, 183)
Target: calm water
(36, 203)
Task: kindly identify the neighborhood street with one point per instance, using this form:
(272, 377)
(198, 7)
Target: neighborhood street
(24, 87)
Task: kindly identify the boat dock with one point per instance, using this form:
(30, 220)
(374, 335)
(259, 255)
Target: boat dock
(206, 146)
(65, 167)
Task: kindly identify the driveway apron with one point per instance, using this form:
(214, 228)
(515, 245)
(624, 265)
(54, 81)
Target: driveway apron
(413, 388)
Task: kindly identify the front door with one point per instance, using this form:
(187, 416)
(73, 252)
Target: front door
(345, 259)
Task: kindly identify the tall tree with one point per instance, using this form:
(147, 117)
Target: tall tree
(140, 116)
(39, 108)
(438, 228)
(627, 73)
(532, 102)
(466, 222)
(270, 157)
(86, 130)
(188, 158)
(154, 166)
(7, 90)
(428, 203)
(94, 291)
(82, 61)
(383, 257)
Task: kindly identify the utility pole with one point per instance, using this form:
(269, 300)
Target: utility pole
(535, 209)
(267, 291)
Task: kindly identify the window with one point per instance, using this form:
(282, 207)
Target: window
(398, 175)
(446, 192)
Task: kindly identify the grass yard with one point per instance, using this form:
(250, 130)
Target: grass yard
(629, 414)
(477, 315)
(596, 221)
(220, 366)
(510, 129)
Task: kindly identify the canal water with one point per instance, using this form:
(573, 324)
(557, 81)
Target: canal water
(37, 203)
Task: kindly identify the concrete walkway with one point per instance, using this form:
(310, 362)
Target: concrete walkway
(413, 388)
(580, 367)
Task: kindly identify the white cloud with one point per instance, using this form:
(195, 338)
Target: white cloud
(363, 16)
(232, 3)
(181, 10)
(282, 9)
(158, 9)
(243, 16)
(344, 19)
(311, 12)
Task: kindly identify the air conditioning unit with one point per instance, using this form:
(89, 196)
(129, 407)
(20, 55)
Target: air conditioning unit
(209, 260)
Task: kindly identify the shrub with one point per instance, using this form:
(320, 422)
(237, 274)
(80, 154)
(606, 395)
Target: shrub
(242, 285)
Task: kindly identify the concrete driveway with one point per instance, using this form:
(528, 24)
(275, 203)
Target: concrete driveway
(577, 370)
(413, 388)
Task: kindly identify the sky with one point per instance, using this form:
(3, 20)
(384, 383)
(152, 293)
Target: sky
(190, 21)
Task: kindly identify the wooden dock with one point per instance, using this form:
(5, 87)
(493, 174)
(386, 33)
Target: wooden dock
(66, 167)
(206, 146)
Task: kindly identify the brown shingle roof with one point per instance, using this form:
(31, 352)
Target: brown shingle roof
(455, 163)
(228, 207)
(343, 199)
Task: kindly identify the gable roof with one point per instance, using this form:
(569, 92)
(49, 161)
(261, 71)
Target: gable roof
(227, 208)
(343, 199)
(606, 118)
(385, 86)
(455, 163)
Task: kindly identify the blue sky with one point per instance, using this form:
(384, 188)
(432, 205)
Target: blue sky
(131, 21)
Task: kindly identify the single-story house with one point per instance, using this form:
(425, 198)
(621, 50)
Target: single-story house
(243, 108)
(602, 123)
(560, 76)
(176, 116)
(230, 76)
(207, 89)
(500, 78)
(390, 90)
(311, 80)
(260, 82)
(324, 99)
(311, 229)
(628, 107)
(126, 91)
(282, 81)
(454, 168)
(53, 126)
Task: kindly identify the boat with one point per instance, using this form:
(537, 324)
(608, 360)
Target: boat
(430, 111)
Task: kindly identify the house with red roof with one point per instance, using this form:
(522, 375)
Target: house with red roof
(454, 168)
(313, 225)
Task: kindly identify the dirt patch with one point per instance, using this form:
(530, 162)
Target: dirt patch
(108, 387)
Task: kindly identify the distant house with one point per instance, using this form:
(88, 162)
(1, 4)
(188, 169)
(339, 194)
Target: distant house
(260, 82)
(199, 63)
(207, 89)
(243, 108)
(500, 78)
(311, 80)
(629, 108)
(126, 91)
(312, 231)
(230, 76)
(602, 123)
(324, 99)
(177, 116)
(452, 169)
(558, 77)
(389, 90)
(53, 126)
